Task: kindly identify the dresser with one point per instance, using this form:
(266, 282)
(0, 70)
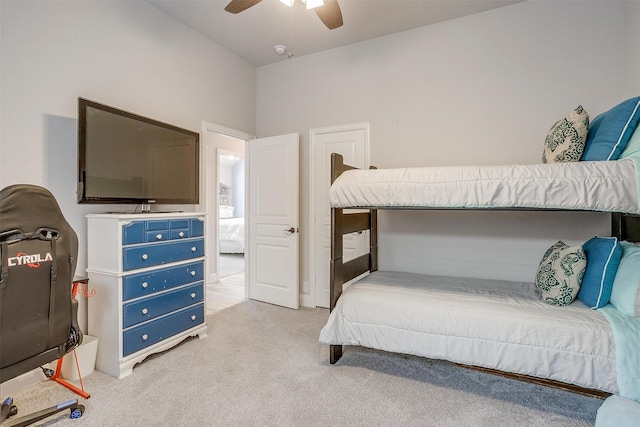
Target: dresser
(148, 274)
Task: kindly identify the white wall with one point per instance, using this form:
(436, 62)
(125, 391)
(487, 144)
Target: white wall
(125, 54)
(483, 89)
(238, 189)
(632, 48)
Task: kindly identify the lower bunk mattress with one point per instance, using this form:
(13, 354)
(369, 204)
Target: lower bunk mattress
(493, 324)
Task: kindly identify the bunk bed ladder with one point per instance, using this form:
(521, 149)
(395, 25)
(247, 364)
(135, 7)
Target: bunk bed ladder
(343, 223)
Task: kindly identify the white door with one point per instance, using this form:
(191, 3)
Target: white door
(352, 142)
(273, 220)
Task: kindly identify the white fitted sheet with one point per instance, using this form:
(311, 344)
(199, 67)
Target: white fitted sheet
(493, 324)
(610, 186)
(231, 236)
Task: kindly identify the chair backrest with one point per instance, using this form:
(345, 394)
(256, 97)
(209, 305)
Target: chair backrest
(38, 249)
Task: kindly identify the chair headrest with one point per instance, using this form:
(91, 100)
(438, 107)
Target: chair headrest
(29, 209)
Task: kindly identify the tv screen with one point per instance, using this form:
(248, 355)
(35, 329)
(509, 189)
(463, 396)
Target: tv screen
(126, 158)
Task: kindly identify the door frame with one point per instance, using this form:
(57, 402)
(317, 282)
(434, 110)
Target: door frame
(313, 134)
(209, 203)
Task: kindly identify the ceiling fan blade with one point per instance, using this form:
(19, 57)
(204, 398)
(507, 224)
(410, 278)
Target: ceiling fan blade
(330, 14)
(237, 6)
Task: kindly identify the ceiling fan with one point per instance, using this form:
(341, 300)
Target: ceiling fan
(327, 10)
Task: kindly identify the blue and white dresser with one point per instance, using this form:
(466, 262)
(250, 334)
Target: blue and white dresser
(148, 274)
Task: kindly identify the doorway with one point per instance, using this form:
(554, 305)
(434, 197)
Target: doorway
(231, 217)
(224, 155)
(271, 200)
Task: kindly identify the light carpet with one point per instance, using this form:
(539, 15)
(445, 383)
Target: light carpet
(262, 365)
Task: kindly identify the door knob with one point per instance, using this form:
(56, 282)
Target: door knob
(291, 230)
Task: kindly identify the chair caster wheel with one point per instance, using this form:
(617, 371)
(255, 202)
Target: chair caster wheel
(77, 412)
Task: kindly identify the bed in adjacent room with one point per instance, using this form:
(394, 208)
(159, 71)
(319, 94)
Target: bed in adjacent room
(230, 232)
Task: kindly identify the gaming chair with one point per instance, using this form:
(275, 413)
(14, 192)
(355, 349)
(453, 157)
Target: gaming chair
(38, 315)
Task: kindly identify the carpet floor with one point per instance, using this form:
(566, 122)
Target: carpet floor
(262, 365)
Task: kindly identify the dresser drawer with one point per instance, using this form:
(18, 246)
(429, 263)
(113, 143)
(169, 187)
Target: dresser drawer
(161, 229)
(145, 284)
(197, 227)
(161, 253)
(156, 236)
(145, 231)
(156, 306)
(180, 233)
(133, 232)
(179, 223)
(152, 332)
(171, 230)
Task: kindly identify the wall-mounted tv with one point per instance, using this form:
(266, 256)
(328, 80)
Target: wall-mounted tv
(127, 158)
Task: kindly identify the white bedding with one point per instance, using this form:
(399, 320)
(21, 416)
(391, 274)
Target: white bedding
(493, 324)
(231, 235)
(610, 186)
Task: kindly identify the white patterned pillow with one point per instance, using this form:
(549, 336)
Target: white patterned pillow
(560, 273)
(566, 139)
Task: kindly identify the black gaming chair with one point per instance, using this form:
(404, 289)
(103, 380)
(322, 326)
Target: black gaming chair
(38, 315)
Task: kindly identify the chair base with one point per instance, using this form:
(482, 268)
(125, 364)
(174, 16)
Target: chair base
(8, 410)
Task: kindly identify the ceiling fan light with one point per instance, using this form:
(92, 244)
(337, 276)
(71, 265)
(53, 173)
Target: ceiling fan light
(312, 4)
(288, 2)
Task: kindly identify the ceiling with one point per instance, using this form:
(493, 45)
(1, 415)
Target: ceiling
(254, 33)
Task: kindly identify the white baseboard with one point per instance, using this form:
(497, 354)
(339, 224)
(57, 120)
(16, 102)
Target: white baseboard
(305, 299)
(22, 382)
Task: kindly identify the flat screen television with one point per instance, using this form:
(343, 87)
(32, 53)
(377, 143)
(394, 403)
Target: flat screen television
(127, 158)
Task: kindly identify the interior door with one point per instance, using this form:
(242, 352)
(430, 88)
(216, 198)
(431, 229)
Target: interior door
(352, 143)
(273, 165)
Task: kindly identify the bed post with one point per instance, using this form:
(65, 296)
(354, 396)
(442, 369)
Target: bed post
(616, 225)
(625, 226)
(373, 240)
(373, 237)
(335, 264)
(336, 276)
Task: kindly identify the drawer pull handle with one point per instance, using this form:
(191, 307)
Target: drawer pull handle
(193, 294)
(159, 236)
(193, 249)
(145, 256)
(144, 285)
(181, 234)
(193, 317)
(145, 311)
(145, 337)
(193, 273)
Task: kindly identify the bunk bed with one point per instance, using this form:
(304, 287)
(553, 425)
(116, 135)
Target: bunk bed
(499, 326)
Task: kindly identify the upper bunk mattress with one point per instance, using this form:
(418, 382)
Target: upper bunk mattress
(607, 186)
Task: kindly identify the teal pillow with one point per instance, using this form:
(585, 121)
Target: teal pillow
(609, 133)
(633, 147)
(603, 256)
(625, 295)
(560, 273)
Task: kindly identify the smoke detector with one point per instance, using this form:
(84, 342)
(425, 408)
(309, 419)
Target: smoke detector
(280, 49)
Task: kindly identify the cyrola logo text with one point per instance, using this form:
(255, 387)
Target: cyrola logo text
(30, 260)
